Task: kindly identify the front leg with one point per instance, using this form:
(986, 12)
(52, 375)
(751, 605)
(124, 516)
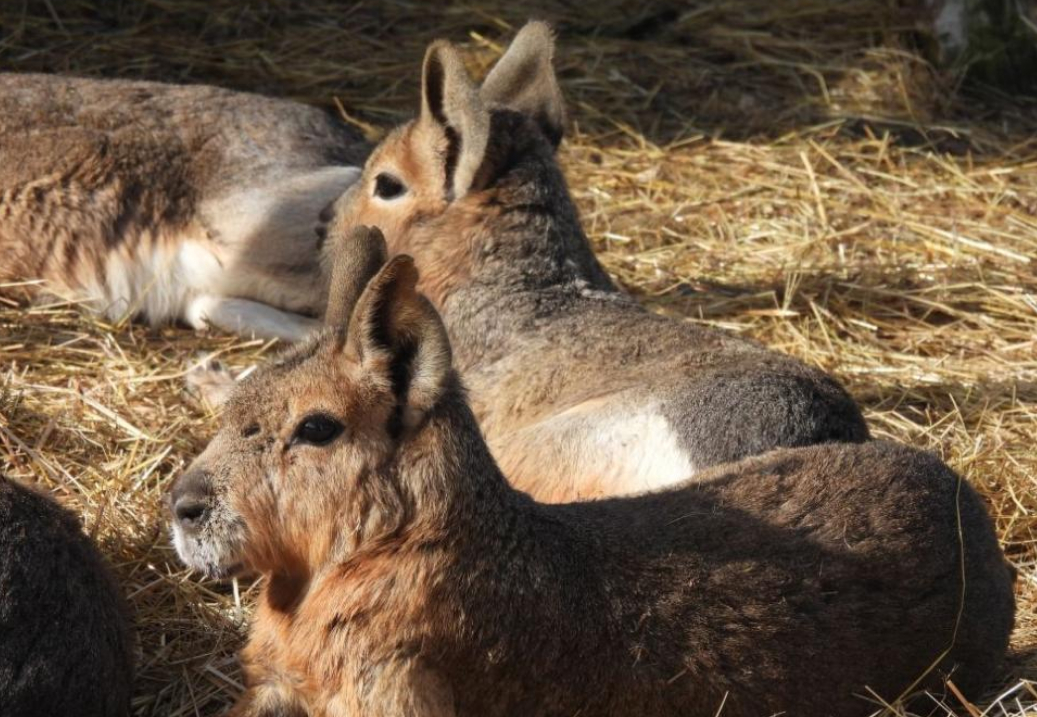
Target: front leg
(248, 318)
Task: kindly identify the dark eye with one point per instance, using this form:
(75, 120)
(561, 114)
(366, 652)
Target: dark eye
(318, 430)
(387, 186)
(250, 430)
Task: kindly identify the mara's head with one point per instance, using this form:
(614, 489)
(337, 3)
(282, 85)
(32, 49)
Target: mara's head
(302, 466)
(472, 154)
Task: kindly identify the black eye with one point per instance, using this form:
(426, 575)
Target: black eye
(317, 430)
(250, 430)
(387, 186)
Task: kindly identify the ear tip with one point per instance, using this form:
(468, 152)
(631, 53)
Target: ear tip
(370, 239)
(440, 49)
(401, 268)
(539, 30)
(402, 260)
(539, 27)
(438, 44)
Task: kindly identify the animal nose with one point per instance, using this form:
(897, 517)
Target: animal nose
(190, 512)
(189, 499)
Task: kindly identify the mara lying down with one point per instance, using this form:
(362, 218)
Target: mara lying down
(406, 577)
(580, 390)
(169, 202)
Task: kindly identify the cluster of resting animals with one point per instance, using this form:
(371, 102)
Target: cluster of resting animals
(497, 487)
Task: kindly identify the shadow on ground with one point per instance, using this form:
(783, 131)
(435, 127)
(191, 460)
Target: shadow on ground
(666, 69)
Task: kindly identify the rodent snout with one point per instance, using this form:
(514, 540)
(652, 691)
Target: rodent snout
(189, 501)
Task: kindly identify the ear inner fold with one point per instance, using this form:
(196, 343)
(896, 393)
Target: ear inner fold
(396, 332)
(451, 100)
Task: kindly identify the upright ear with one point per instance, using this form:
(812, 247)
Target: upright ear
(450, 100)
(524, 80)
(358, 256)
(399, 338)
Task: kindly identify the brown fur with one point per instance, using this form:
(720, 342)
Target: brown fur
(169, 202)
(580, 391)
(362, 254)
(406, 577)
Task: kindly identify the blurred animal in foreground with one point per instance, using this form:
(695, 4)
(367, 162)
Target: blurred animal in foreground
(65, 645)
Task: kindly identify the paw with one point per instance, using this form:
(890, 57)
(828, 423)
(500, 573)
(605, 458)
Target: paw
(196, 315)
(209, 382)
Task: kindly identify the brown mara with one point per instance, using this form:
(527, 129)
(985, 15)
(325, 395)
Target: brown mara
(405, 576)
(580, 390)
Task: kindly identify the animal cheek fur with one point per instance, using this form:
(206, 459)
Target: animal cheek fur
(251, 483)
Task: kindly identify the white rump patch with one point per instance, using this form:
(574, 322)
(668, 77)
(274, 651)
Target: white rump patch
(596, 449)
(639, 452)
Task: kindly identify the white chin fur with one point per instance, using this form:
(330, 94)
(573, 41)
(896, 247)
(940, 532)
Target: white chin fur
(205, 557)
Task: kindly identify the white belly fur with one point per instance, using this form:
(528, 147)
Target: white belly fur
(257, 228)
(157, 281)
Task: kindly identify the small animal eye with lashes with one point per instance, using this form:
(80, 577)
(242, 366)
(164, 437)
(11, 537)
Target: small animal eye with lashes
(387, 186)
(318, 430)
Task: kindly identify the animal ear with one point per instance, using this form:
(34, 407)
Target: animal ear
(400, 339)
(357, 257)
(450, 100)
(524, 80)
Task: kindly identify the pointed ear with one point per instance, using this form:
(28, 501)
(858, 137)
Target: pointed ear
(450, 100)
(524, 80)
(398, 336)
(358, 256)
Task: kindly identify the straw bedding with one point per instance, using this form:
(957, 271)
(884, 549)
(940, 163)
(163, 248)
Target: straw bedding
(791, 171)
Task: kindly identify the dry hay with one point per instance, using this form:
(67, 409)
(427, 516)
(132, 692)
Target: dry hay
(786, 170)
